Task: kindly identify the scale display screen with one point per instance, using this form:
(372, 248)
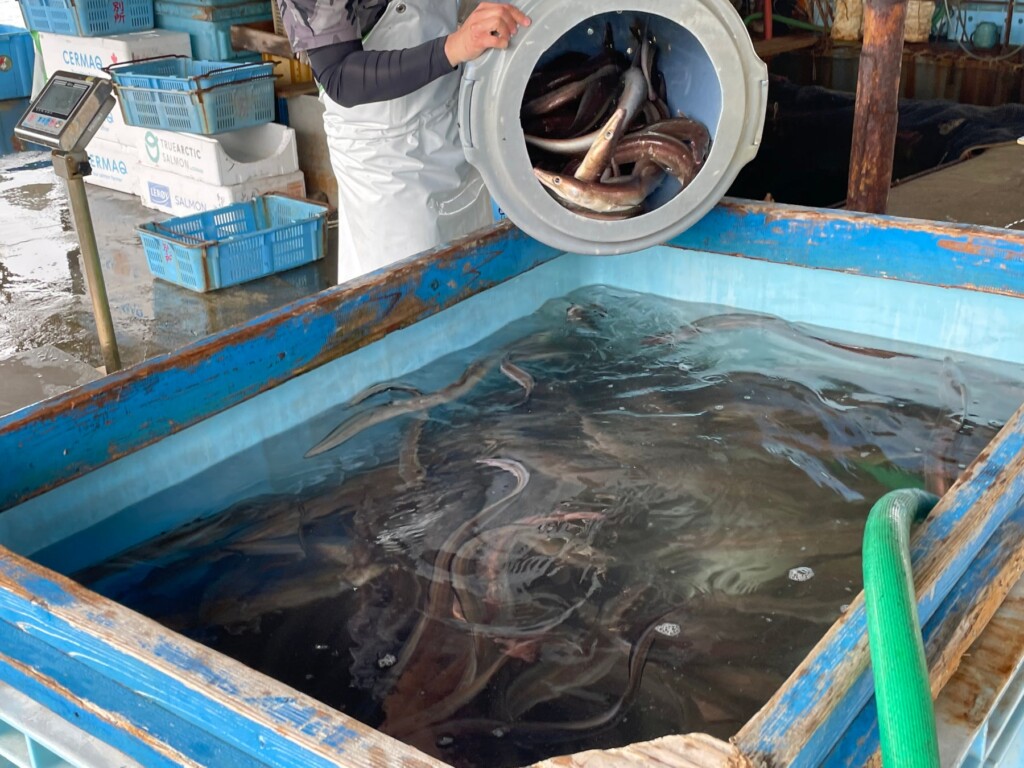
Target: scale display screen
(60, 98)
(68, 112)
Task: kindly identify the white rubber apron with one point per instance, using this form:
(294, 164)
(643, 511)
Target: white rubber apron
(404, 184)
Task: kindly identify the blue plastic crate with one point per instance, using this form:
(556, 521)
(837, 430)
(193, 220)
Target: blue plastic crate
(181, 73)
(238, 13)
(17, 58)
(11, 112)
(210, 39)
(88, 18)
(237, 243)
(204, 97)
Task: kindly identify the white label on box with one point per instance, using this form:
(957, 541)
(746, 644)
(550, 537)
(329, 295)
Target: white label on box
(113, 166)
(180, 196)
(225, 159)
(175, 152)
(89, 55)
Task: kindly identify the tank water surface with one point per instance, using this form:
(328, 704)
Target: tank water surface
(618, 517)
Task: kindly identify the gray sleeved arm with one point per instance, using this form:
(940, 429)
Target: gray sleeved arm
(352, 76)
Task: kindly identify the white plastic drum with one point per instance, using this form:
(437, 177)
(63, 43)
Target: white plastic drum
(712, 75)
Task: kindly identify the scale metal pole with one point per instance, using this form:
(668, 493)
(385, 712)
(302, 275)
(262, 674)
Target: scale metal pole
(73, 167)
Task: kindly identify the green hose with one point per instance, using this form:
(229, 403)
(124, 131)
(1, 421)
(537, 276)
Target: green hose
(906, 716)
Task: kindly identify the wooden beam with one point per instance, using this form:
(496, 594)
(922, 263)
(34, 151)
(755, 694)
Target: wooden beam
(260, 37)
(695, 750)
(768, 48)
(295, 89)
(982, 684)
(876, 112)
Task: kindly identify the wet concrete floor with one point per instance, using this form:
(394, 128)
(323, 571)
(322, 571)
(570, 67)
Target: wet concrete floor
(44, 301)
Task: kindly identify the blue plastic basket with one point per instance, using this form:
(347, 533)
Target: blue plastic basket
(253, 10)
(17, 58)
(180, 73)
(237, 243)
(88, 18)
(209, 39)
(192, 96)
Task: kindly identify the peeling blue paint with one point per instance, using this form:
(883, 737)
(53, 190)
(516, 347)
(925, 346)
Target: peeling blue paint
(194, 706)
(880, 246)
(860, 739)
(42, 588)
(171, 708)
(114, 415)
(802, 693)
(170, 651)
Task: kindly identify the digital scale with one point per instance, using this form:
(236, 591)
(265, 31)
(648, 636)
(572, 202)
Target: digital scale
(64, 117)
(68, 112)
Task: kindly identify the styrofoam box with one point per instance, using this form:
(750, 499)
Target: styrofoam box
(114, 129)
(88, 55)
(174, 194)
(114, 166)
(224, 159)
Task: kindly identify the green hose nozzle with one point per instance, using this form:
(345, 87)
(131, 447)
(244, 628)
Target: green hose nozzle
(906, 715)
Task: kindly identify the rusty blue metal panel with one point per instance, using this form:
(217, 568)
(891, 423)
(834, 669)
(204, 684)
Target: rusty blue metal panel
(93, 702)
(154, 695)
(860, 740)
(62, 438)
(988, 493)
(951, 255)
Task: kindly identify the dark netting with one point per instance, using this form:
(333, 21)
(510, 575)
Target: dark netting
(803, 118)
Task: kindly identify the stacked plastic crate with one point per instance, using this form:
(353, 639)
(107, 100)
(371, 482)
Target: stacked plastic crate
(88, 35)
(17, 58)
(210, 139)
(208, 24)
(187, 169)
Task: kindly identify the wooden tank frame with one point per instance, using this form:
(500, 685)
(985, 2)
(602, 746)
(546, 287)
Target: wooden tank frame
(163, 700)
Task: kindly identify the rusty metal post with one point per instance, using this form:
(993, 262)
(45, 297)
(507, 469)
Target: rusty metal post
(876, 111)
(73, 167)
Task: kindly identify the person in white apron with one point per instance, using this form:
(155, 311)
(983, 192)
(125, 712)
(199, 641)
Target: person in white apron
(390, 98)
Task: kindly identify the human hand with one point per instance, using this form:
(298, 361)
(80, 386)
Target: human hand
(490, 25)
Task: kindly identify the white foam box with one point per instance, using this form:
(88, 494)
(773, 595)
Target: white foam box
(168, 192)
(224, 159)
(115, 129)
(89, 55)
(114, 166)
